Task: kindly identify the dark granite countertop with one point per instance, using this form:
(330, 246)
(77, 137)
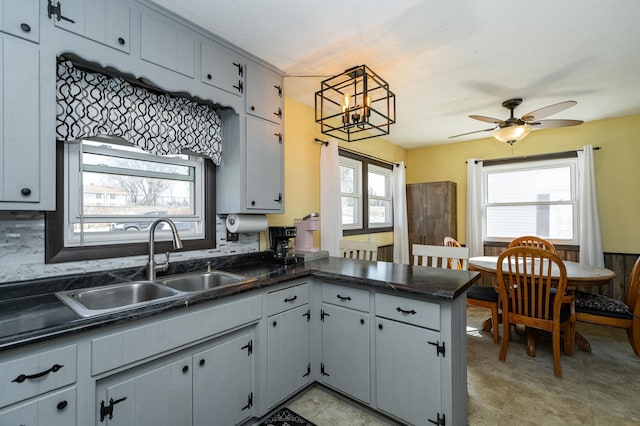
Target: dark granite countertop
(30, 312)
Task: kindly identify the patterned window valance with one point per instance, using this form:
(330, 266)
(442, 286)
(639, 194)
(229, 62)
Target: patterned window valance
(92, 104)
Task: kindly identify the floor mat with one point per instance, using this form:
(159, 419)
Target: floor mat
(286, 417)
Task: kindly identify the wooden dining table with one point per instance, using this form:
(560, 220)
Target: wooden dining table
(578, 275)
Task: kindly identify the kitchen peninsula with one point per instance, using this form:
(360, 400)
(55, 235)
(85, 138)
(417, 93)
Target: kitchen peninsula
(397, 331)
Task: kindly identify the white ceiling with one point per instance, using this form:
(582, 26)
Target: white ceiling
(448, 59)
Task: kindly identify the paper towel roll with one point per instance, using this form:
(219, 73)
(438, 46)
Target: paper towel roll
(246, 222)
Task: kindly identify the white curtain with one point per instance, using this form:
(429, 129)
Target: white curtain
(330, 218)
(591, 251)
(400, 227)
(474, 207)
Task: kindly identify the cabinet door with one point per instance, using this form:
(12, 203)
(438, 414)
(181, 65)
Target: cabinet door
(345, 351)
(57, 409)
(20, 18)
(264, 93)
(161, 396)
(164, 45)
(222, 386)
(222, 70)
(287, 354)
(265, 158)
(408, 372)
(20, 122)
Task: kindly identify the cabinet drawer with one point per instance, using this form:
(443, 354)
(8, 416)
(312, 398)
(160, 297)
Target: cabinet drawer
(354, 298)
(287, 298)
(411, 311)
(137, 343)
(58, 409)
(36, 374)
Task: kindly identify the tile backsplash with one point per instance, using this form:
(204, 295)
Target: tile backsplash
(22, 250)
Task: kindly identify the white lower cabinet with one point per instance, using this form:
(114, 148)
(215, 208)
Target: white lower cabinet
(345, 351)
(408, 372)
(56, 409)
(210, 386)
(288, 341)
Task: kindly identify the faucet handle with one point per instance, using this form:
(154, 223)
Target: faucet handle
(164, 265)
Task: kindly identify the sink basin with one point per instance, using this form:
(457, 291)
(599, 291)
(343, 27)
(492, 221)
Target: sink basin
(203, 281)
(117, 297)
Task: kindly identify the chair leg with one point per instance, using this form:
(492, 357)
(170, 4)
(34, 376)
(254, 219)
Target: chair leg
(555, 337)
(496, 323)
(634, 339)
(505, 337)
(569, 338)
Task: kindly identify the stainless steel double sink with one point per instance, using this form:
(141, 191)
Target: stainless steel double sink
(92, 301)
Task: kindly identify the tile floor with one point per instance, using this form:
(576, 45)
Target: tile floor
(598, 388)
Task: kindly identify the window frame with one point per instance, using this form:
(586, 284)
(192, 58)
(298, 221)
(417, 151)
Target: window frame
(364, 208)
(57, 252)
(533, 164)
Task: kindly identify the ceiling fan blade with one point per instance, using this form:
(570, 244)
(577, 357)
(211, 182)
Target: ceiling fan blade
(487, 119)
(548, 124)
(469, 133)
(547, 111)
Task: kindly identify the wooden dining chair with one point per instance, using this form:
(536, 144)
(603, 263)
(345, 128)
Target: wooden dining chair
(533, 241)
(603, 310)
(525, 283)
(363, 250)
(440, 256)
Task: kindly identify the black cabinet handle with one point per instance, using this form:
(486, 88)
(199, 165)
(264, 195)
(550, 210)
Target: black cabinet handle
(209, 76)
(342, 298)
(279, 89)
(25, 27)
(185, 369)
(362, 321)
(21, 378)
(121, 41)
(279, 199)
(290, 300)
(25, 191)
(275, 323)
(278, 113)
(380, 327)
(239, 87)
(399, 309)
(253, 108)
(62, 405)
(240, 69)
(202, 362)
(279, 136)
(253, 203)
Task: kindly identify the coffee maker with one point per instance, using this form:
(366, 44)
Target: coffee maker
(281, 239)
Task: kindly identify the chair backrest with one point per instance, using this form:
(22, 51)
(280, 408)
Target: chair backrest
(633, 291)
(452, 242)
(533, 241)
(439, 256)
(525, 281)
(363, 250)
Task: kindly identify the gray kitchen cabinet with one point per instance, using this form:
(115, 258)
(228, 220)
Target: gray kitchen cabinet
(345, 339)
(265, 165)
(264, 93)
(104, 21)
(222, 69)
(410, 355)
(156, 395)
(20, 164)
(167, 45)
(55, 409)
(223, 382)
(288, 342)
(21, 18)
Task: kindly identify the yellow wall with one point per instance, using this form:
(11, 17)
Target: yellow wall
(617, 171)
(302, 167)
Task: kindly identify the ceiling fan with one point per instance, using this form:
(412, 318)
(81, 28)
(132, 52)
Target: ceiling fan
(514, 129)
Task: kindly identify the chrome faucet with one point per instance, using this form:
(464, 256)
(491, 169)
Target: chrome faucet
(152, 266)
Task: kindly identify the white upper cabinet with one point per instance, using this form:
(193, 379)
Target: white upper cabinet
(104, 21)
(264, 94)
(221, 69)
(164, 45)
(20, 18)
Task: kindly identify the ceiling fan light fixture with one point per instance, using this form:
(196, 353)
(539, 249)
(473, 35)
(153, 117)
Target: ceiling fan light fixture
(512, 134)
(354, 105)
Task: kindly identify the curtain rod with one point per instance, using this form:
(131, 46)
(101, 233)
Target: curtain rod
(371, 157)
(548, 156)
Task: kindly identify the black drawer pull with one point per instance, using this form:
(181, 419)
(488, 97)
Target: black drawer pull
(21, 378)
(202, 362)
(399, 309)
(121, 41)
(342, 298)
(62, 405)
(25, 27)
(380, 327)
(25, 191)
(185, 369)
(209, 76)
(290, 300)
